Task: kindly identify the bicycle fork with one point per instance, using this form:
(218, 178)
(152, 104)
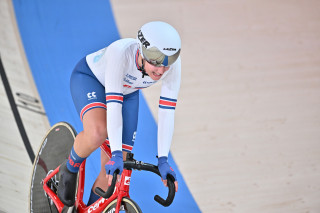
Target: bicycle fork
(123, 187)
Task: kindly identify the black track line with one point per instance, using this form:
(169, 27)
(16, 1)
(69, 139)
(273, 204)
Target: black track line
(15, 112)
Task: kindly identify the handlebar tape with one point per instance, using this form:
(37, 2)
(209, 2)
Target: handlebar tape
(110, 190)
(152, 168)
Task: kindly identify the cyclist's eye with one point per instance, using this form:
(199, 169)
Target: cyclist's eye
(155, 63)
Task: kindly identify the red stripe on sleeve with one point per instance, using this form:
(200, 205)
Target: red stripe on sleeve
(167, 103)
(113, 97)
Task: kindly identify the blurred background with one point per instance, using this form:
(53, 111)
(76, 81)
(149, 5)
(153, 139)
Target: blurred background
(247, 131)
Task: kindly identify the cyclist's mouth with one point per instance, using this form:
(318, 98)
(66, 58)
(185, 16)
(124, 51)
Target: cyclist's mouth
(156, 74)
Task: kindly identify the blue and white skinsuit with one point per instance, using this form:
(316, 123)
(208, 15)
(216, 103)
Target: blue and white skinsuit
(110, 79)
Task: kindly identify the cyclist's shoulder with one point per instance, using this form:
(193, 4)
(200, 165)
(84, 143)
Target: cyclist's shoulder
(177, 65)
(118, 46)
(122, 45)
(121, 50)
(116, 52)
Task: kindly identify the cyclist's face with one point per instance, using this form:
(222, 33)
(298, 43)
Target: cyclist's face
(155, 72)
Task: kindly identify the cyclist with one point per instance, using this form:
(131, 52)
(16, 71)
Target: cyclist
(104, 87)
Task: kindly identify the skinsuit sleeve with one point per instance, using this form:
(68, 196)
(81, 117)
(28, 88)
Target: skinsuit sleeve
(114, 94)
(167, 104)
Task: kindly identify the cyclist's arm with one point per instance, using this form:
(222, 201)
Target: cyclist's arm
(169, 94)
(114, 95)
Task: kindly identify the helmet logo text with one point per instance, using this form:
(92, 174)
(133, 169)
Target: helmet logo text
(170, 49)
(143, 41)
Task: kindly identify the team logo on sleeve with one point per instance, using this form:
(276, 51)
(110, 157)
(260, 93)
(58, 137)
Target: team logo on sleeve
(99, 56)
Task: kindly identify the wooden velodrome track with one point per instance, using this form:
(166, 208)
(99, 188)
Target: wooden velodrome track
(247, 135)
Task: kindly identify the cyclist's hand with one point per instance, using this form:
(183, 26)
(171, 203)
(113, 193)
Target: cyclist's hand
(165, 169)
(116, 162)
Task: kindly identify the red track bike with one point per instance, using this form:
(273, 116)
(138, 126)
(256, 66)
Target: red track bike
(44, 183)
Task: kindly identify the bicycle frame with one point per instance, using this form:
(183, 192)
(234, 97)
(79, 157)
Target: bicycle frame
(121, 190)
(115, 192)
(113, 199)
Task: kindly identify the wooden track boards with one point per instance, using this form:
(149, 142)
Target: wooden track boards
(16, 166)
(254, 115)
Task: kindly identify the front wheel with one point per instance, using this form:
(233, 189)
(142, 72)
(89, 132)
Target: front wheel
(127, 205)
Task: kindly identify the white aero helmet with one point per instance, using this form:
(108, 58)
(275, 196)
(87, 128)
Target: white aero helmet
(159, 43)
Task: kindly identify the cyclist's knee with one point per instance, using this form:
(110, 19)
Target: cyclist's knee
(95, 130)
(96, 136)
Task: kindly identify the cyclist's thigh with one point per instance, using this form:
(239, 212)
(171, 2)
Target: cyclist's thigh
(130, 120)
(87, 92)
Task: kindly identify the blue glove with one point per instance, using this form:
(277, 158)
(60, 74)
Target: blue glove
(165, 168)
(116, 162)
